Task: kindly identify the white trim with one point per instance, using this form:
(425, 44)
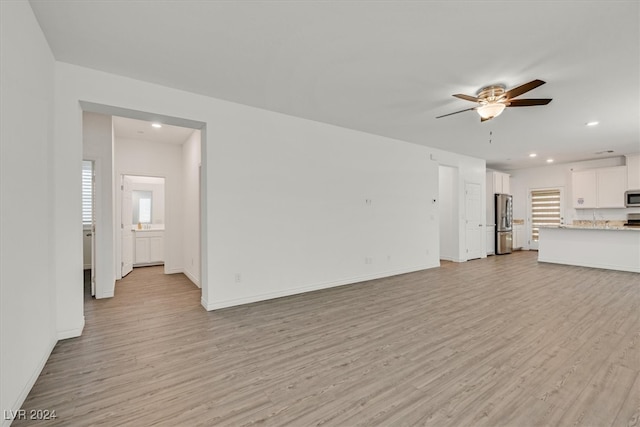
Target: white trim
(72, 333)
(105, 295)
(215, 305)
(455, 259)
(150, 264)
(191, 277)
(174, 270)
(29, 385)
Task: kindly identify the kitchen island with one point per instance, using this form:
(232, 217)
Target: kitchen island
(616, 248)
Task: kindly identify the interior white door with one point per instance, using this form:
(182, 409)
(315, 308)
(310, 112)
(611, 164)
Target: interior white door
(473, 219)
(125, 223)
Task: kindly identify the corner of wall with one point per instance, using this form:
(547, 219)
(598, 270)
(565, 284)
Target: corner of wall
(72, 333)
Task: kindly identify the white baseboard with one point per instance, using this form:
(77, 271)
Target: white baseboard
(29, 385)
(193, 278)
(215, 305)
(71, 333)
(453, 259)
(108, 294)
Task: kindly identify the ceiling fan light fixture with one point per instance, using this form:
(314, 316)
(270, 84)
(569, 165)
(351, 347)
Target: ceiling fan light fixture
(490, 110)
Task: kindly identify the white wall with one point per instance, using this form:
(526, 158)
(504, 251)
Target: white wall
(449, 230)
(292, 215)
(285, 197)
(559, 176)
(136, 157)
(27, 286)
(97, 138)
(191, 204)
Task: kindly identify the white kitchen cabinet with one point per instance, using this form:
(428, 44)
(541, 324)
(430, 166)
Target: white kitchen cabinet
(599, 188)
(497, 182)
(500, 182)
(149, 247)
(518, 236)
(633, 172)
(612, 183)
(491, 239)
(585, 186)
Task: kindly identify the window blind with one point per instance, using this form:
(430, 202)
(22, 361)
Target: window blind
(545, 210)
(87, 192)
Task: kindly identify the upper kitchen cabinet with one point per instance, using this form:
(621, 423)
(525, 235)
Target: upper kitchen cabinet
(585, 189)
(633, 172)
(599, 188)
(499, 183)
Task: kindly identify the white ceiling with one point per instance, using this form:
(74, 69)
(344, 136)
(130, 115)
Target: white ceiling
(385, 67)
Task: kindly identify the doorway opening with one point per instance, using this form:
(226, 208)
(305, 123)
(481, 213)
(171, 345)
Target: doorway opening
(134, 154)
(142, 216)
(88, 227)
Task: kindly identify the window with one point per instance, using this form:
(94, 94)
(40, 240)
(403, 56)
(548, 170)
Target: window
(545, 210)
(87, 192)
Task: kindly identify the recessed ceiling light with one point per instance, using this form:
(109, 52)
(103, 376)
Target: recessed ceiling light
(549, 160)
(156, 125)
(532, 155)
(592, 123)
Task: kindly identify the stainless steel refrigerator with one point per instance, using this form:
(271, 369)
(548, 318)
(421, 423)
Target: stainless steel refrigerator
(504, 220)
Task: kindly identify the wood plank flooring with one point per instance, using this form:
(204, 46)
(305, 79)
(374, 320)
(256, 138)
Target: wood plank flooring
(502, 341)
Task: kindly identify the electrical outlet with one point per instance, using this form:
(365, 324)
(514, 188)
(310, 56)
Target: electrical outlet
(238, 278)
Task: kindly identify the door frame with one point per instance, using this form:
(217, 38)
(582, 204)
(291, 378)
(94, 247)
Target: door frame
(120, 193)
(108, 110)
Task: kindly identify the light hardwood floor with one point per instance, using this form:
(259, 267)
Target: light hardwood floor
(503, 341)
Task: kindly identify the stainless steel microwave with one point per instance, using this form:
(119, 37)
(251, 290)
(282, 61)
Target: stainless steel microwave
(632, 198)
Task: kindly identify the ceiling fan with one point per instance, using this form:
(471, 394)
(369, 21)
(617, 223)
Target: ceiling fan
(492, 100)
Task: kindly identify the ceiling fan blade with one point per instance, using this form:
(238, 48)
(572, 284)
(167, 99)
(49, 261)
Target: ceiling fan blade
(467, 97)
(517, 91)
(461, 111)
(528, 102)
